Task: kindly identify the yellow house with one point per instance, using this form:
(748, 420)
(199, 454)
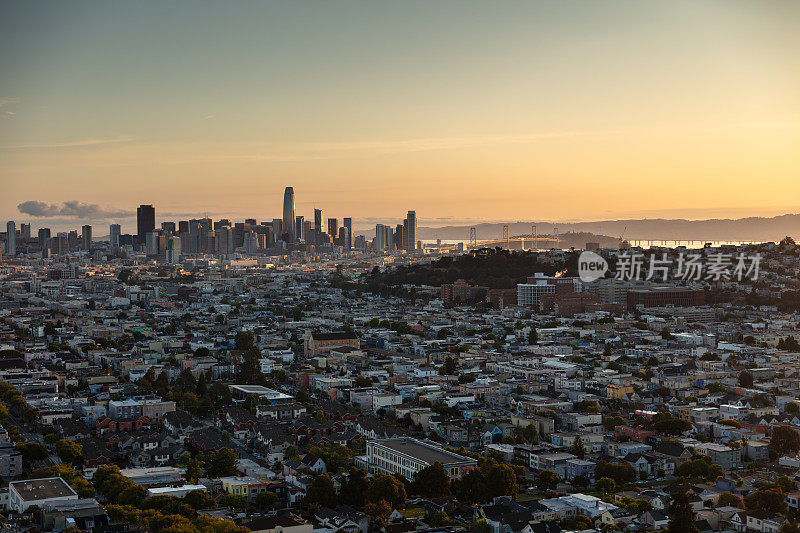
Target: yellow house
(246, 486)
(619, 391)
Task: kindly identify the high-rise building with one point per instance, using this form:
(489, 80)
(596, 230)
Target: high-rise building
(114, 231)
(399, 232)
(86, 237)
(210, 244)
(72, 240)
(345, 239)
(168, 228)
(24, 231)
(206, 227)
(380, 237)
(60, 245)
(192, 246)
(183, 226)
(410, 231)
(251, 242)
(333, 227)
(288, 215)
(299, 227)
(44, 238)
(152, 243)
(319, 221)
(225, 238)
(145, 222)
(277, 229)
(348, 223)
(173, 249)
(11, 238)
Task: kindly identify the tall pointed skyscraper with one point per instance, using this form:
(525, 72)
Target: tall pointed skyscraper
(288, 214)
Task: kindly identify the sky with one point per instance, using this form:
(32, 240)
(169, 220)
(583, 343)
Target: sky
(463, 111)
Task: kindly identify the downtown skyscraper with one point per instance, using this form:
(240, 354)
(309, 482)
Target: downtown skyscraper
(145, 222)
(288, 215)
(410, 231)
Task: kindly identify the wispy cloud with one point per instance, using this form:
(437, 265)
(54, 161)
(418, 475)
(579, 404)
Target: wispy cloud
(5, 100)
(83, 143)
(384, 147)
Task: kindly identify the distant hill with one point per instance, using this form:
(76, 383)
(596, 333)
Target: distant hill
(744, 229)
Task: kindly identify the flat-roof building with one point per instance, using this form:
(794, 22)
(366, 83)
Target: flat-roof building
(25, 494)
(408, 456)
(241, 392)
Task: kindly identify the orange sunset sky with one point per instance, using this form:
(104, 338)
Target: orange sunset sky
(463, 111)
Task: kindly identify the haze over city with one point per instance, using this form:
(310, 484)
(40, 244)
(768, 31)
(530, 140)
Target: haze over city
(461, 110)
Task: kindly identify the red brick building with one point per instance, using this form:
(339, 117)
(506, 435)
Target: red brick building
(317, 343)
(502, 297)
(666, 297)
(459, 291)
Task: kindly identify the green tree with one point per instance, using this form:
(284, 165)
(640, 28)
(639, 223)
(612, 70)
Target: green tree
(354, 488)
(437, 519)
(479, 526)
(610, 422)
(547, 480)
(221, 463)
(784, 440)
(233, 501)
(578, 449)
(321, 492)
(786, 484)
(729, 499)
(771, 500)
(266, 499)
(472, 488)
(199, 499)
(745, 379)
(501, 480)
(432, 482)
(378, 513)
(244, 340)
(69, 451)
(620, 472)
(605, 485)
(449, 366)
(681, 514)
(533, 336)
(388, 488)
(32, 451)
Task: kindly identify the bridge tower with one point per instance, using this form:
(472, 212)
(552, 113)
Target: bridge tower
(505, 234)
(473, 236)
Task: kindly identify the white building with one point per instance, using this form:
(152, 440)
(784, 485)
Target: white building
(25, 494)
(408, 456)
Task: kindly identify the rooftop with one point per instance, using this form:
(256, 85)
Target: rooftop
(264, 392)
(424, 452)
(42, 489)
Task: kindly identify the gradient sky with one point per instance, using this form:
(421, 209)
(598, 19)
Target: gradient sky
(461, 110)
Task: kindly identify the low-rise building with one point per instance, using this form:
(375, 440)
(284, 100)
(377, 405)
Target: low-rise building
(408, 456)
(38, 492)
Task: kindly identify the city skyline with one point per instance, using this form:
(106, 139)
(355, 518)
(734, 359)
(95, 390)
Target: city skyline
(467, 112)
